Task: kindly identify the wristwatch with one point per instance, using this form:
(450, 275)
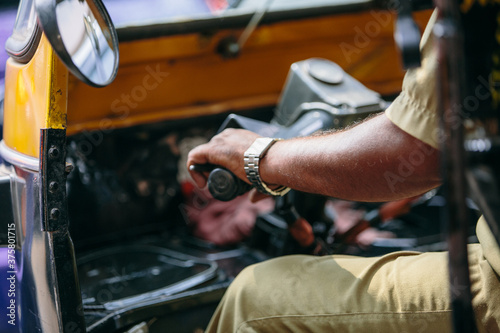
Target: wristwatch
(252, 157)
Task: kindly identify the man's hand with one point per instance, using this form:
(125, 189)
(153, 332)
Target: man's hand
(226, 150)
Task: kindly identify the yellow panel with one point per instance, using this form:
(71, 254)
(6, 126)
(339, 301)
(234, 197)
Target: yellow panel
(35, 98)
(182, 76)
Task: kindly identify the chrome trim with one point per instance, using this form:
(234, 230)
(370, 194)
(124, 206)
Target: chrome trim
(23, 51)
(20, 46)
(18, 159)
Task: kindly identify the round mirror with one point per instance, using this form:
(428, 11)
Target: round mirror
(83, 36)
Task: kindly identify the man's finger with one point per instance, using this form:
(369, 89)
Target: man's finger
(199, 178)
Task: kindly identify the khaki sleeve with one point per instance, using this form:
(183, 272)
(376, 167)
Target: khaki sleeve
(415, 110)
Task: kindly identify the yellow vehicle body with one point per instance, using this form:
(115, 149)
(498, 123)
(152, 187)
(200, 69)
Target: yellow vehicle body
(35, 98)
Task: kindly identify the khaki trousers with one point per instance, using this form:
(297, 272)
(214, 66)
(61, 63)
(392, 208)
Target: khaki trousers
(399, 292)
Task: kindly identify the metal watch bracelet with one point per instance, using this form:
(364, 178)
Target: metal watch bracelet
(251, 160)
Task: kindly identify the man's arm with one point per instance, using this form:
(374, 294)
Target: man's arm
(373, 161)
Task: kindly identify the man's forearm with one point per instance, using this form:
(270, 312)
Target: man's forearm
(374, 161)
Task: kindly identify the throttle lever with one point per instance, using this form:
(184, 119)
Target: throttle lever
(222, 184)
(300, 229)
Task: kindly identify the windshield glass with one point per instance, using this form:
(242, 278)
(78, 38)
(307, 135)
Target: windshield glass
(150, 11)
(161, 11)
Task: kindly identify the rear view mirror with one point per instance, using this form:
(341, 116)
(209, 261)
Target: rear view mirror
(83, 36)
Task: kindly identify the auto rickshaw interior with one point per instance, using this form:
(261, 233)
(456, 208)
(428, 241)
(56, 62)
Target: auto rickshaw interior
(133, 211)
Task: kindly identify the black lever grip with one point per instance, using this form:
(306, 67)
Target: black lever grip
(225, 186)
(222, 183)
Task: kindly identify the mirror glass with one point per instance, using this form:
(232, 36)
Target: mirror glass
(83, 36)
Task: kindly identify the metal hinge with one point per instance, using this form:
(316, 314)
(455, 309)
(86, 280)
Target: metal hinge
(53, 203)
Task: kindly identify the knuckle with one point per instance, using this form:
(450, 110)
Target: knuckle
(226, 133)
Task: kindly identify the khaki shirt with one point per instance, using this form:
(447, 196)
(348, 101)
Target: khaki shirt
(415, 111)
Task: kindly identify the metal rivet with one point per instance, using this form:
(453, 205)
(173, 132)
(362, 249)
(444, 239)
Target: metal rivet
(53, 187)
(54, 152)
(55, 213)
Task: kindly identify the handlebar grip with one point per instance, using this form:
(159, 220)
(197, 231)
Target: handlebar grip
(225, 186)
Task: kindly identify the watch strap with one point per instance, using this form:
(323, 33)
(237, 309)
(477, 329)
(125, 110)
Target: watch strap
(252, 158)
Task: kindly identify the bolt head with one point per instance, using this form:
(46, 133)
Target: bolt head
(55, 213)
(53, 152)
(53, 187)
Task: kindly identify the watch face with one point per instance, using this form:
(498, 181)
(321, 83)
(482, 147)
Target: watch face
(259, 147)
(23, 42)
